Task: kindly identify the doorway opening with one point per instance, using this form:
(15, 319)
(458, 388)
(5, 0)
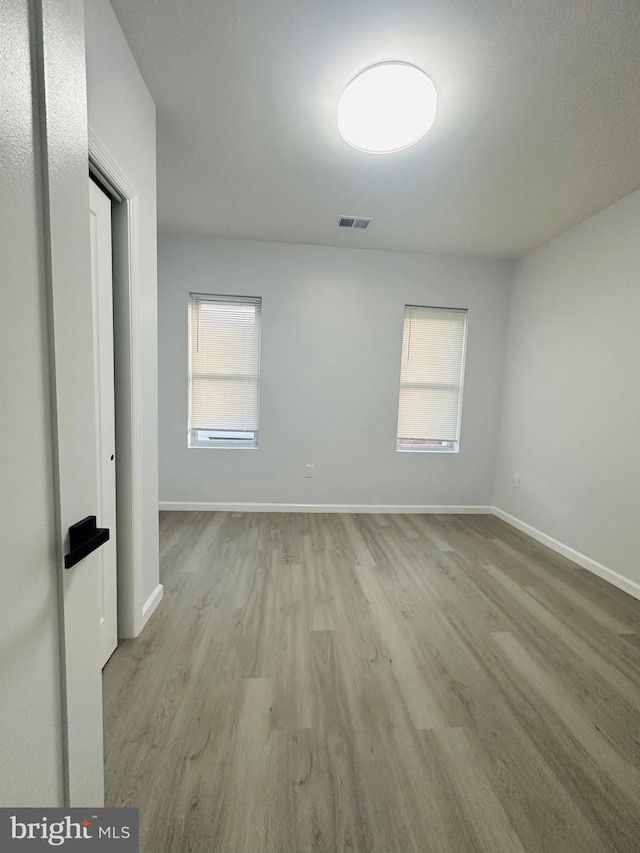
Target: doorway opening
(127, 383)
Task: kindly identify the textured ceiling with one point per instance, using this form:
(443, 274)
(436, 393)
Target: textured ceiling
(538, 124)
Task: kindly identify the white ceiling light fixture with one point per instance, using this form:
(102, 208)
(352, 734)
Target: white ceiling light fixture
(387, 107)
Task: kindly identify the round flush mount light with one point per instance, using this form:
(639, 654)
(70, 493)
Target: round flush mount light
(387, 107)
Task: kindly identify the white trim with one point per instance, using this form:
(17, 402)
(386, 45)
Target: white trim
(596, 568)
(151, 603)
(194, 506)
(131, 611)
(136, 422)
(110, 169)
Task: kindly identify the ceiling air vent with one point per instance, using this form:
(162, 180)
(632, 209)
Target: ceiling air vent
(354, 221)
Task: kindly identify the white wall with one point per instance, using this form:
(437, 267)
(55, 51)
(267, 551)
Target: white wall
(331, 341)
(571, 414)
(122, 117)
(30, 687)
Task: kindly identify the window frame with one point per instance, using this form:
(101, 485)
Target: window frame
(446, 447)
(195, 439)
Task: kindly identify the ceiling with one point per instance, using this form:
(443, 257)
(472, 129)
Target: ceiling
(538, 121)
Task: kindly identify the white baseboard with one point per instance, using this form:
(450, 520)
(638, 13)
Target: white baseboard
(193, 506)
(151, 603)
(603, 572)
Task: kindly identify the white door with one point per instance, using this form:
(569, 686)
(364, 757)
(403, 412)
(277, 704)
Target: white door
(102, 287)
(58, 69)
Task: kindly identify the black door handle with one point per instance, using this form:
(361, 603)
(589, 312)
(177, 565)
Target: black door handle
(84, 537)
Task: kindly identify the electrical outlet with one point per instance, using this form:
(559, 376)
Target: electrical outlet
(309, 471)
(516, 481)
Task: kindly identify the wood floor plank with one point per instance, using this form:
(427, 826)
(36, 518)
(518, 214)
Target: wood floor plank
(317, 682)
(418, 696)
(490, 826)
(246, 797)
(578, 597)
(606, 758)
(587, 654)
(595, 758)
(293, 702)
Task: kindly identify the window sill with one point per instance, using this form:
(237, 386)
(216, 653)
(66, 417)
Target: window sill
(447, 450)
(221, 446)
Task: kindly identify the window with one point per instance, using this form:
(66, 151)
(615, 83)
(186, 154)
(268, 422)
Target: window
(224, 343)
(433, 345)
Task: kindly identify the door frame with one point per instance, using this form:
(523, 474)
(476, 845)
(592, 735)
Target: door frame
(127, 331)
(100, 207)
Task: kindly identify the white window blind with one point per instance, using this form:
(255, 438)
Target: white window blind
(224, 378)
(433, 345)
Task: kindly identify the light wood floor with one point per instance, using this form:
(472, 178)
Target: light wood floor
(376, 683)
